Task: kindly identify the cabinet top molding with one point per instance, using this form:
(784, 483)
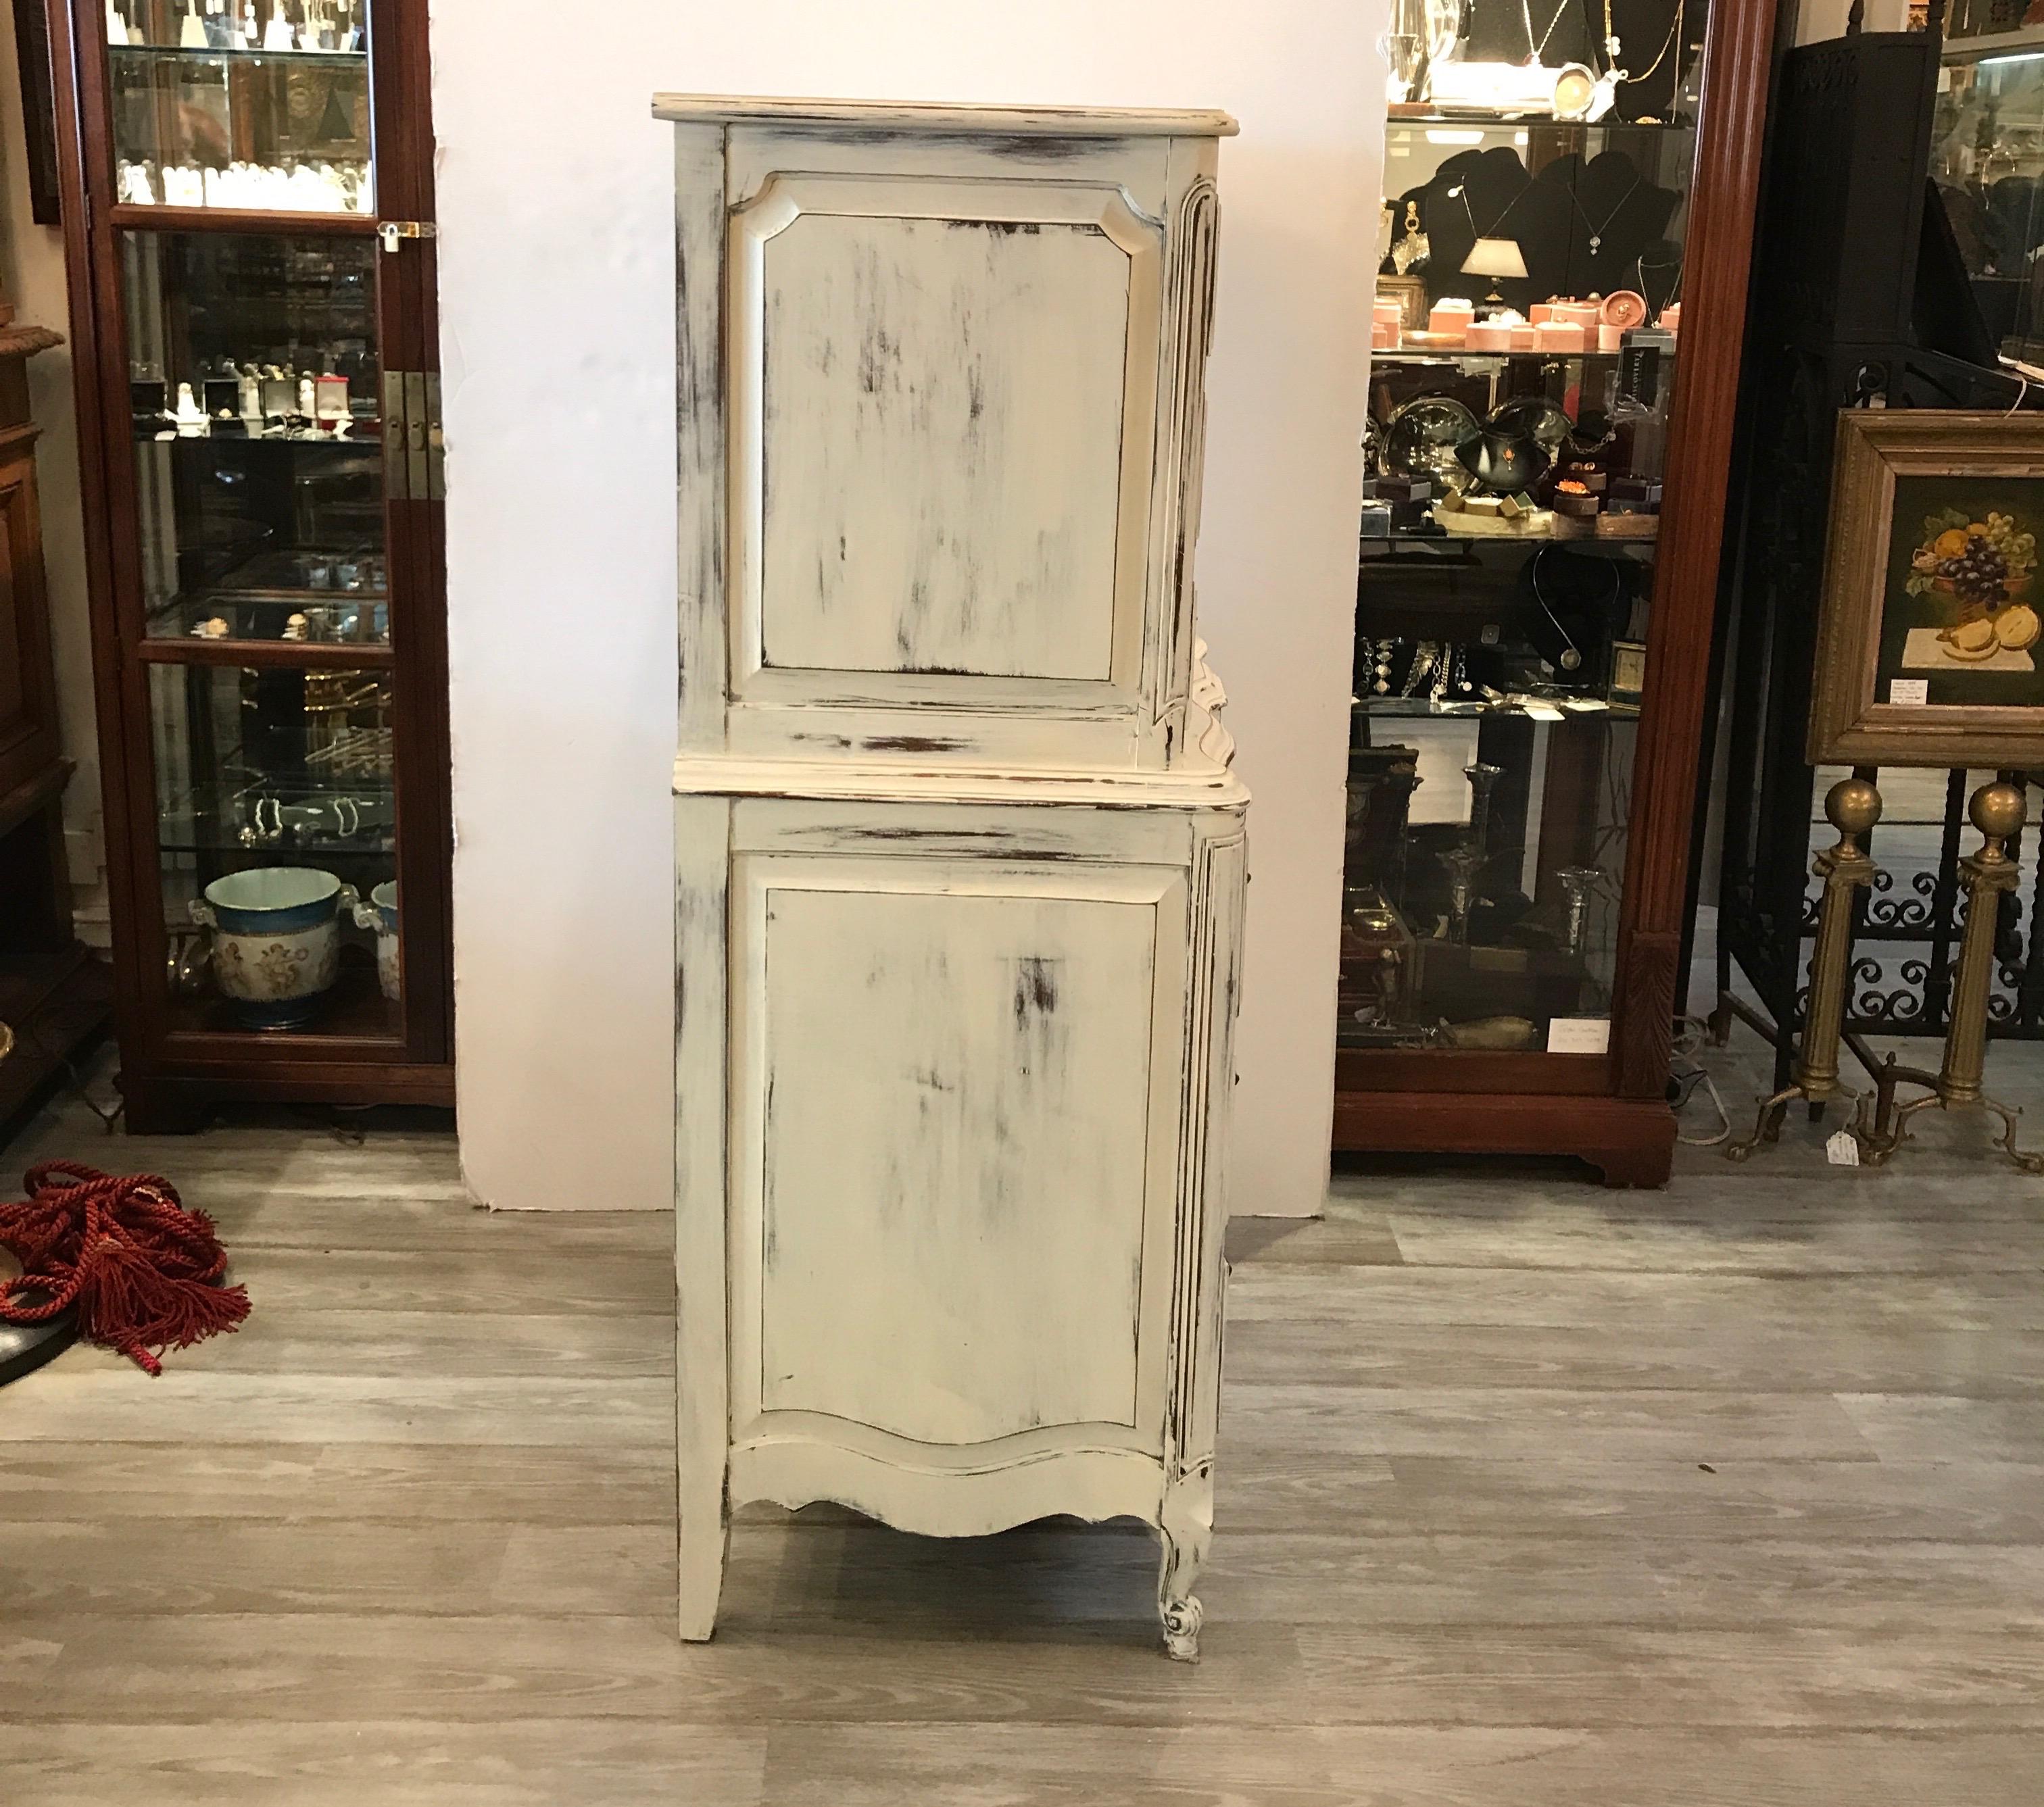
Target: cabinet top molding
(928, 116)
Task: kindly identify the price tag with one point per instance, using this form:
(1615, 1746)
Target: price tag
(1579, 1035)
(1909, 692)
(1840, 1149)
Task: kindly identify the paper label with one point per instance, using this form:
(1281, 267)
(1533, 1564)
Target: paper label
(1909, 692)
(1579, 1035)
(1840, 1149)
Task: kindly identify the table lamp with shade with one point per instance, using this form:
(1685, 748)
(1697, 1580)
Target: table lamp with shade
(1500, 259)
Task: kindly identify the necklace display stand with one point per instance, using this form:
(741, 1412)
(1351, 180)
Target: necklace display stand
(1497, 197)
(1615, 217)
(959, 857)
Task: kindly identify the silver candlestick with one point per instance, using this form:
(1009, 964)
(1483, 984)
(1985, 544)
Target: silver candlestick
(1576, 884)
(1463, 863)
(1483, 781)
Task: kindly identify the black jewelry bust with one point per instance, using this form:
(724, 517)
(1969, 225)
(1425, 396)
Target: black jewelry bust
(1613, 215)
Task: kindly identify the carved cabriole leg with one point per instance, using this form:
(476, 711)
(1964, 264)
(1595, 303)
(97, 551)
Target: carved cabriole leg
(705, 1538)
(1186, 1531)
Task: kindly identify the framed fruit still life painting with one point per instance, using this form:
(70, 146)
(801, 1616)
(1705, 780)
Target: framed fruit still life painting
(1931, 641)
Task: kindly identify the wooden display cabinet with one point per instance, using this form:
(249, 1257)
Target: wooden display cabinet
(53, 993)
(1515, 934)
(253, 304)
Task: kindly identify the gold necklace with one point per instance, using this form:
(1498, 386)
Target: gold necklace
(1540, 50)
(1674, 27)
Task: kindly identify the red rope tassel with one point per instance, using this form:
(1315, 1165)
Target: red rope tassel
(143, 1272)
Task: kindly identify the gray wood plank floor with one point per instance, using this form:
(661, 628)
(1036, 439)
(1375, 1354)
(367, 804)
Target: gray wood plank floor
(1529, 1494)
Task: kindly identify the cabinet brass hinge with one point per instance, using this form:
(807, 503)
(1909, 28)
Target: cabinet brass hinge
(391, 231)
(413, 454)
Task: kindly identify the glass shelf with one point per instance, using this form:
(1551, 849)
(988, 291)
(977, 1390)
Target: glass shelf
(231, 54)
(1427, 357)
(363, 433)
(355, 624)
(1507, 126)
(315, 187)
(282, 820)
(1642, 548)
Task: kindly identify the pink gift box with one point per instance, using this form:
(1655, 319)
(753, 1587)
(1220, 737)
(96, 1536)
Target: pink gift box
(1451, 317)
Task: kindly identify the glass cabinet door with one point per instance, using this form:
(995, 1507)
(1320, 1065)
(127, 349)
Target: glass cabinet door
(260, 552)
(223, 104)
(1987, 159)
(1526, 337)
(253, 382)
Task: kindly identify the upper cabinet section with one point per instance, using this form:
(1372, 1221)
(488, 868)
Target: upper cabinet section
(941, 429)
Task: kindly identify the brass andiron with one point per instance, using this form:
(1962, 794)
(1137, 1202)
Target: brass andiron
(1997, 811)
(1852, 807)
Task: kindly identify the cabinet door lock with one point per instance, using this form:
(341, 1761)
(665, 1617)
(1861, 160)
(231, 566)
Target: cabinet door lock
(391, 231)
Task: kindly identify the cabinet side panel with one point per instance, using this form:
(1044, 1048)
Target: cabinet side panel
(1220, 878)
(952, 1065)
(699, 248)
(1188, 333)
(702, 1423)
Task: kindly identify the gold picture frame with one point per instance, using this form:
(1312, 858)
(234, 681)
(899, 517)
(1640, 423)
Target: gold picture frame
(1410, 293)
(1930, 637)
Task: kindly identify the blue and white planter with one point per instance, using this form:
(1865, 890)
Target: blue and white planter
(380, 913)
(276, 940)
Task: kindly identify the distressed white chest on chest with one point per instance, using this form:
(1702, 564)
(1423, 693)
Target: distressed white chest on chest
(960, 859)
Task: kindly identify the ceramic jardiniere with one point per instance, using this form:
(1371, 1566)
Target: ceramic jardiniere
(276, 940)
(380, 913)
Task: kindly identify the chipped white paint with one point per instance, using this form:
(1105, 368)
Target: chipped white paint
(985, 346)
(935, 1062)
(960, 871)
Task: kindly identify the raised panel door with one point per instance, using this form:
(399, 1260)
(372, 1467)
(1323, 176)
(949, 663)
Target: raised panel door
(953, 1175)
(943, 395)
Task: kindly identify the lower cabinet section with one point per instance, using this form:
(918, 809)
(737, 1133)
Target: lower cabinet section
(950, 1113)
